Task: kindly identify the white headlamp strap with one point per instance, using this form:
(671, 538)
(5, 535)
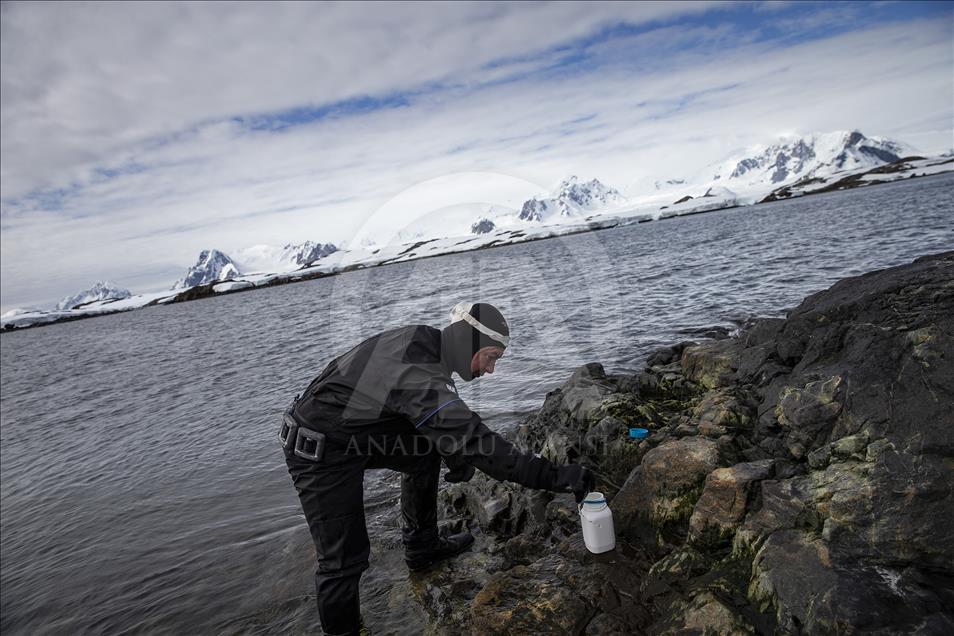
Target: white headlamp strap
(461, 311)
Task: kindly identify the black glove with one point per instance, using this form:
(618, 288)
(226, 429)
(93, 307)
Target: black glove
(576, 479)
(458, 469)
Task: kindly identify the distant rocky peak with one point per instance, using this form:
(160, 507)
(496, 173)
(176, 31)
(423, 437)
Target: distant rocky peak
(813, 154)
(212, 266)
(572, 197)
(854, 138)
(483, 226)
(306, 253)
(534, 209)
(102, 290)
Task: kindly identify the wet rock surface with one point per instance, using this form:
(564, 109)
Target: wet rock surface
(797, 479)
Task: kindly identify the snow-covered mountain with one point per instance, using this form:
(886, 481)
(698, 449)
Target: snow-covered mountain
(819, 155)
(306, 253)
(571, 199)
(269, 258)
(102, 290)
(212, 266)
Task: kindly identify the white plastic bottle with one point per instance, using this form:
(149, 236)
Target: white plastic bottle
(597, 519)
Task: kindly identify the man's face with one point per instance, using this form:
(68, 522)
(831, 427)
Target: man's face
(484, 360)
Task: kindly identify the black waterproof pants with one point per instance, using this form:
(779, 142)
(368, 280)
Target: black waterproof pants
(332, 497)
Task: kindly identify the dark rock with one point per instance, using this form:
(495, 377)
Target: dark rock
(607, 430)
(607, 625)
(666, 355)
(784, 505)
(483, 226)
(807, 414)
(820, 457)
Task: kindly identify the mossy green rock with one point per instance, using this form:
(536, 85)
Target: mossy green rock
(711, 364)
(657, 499)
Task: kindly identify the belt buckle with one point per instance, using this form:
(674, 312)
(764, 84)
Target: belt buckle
(309, 444)
(289, 430)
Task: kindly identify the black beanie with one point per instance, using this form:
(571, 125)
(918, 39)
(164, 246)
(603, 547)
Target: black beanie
(460, 341)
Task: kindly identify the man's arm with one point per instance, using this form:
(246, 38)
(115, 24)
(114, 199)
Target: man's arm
(442, 416)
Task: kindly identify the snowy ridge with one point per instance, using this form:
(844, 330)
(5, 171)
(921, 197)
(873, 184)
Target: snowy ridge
(820, 155)
(268, 258)
(306, 253)
(101, 291)
(571, 199)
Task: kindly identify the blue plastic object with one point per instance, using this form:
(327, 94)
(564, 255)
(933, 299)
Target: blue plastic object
(638, 433)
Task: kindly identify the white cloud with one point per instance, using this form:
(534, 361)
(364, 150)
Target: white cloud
(659, 103)
(82, 81)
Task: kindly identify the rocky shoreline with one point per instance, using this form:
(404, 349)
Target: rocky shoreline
(797, 479)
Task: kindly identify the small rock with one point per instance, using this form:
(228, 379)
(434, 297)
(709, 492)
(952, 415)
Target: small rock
(493, 509)
(711, 364)
(807, 414)
(784, 502)
(712, 430)
(522, 549)
(666, 355)
(563, 511)
(706, 614)
(851, 445)
(607, 625)
(720, 411)
(680, 564)
(685, 430)
(585, 391)
(533, 599)
(558, 448)
(606, 430)
(876, 448)
(819, 458)
(724, 499)
(647, 383)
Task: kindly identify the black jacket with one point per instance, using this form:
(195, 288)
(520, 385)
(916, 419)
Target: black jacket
(398, 382)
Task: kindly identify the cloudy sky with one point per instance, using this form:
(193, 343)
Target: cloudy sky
(134, 135)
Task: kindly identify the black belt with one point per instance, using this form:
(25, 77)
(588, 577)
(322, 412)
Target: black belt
(304, 442)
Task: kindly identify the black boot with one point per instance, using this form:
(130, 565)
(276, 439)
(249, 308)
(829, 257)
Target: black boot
(442, 548)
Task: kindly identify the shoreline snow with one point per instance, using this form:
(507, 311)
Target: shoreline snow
(346, 260)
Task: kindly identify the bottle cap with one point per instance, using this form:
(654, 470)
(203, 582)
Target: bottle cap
(593, 499)
(638, 433)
